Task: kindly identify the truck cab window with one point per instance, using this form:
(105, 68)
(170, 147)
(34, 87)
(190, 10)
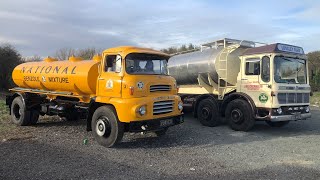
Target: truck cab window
(265, 75)
(110, 63)
(252, 66)
(113, 63)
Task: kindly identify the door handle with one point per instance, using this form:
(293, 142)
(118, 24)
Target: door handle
(101, 79)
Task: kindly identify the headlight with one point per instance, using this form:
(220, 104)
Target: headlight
(307, 109)
(180, 106)
(142, 110)
(279, 110)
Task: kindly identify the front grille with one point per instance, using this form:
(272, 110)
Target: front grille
(154, 88)
(287, 98)
(162, 107)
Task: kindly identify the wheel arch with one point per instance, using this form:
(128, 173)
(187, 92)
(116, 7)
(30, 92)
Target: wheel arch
(237, 95)
(93, 106)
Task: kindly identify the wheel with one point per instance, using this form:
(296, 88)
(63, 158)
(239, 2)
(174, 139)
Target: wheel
(277, 124)
(239, 115)
(161, 132)
(106, 127)
(20, 116)
(34, 117)
(208, 113)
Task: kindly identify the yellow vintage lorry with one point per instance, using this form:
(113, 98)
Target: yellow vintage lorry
(126, 89)
(244, 81)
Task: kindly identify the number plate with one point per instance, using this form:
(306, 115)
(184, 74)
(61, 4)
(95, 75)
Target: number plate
(166, 122)
(296, 116)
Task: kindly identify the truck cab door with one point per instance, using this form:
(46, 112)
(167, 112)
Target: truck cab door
(250, 84)
(110, 77)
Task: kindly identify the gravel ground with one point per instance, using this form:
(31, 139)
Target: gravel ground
(54, 149)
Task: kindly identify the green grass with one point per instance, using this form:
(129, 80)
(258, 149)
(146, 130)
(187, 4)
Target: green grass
(315, 99)
(5, 125)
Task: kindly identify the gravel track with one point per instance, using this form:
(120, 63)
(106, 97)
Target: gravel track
(54, 149)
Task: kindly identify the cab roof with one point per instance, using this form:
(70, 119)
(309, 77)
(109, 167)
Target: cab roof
(131, 49)
(274, 48)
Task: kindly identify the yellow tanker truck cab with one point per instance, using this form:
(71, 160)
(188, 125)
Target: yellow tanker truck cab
(127, 89)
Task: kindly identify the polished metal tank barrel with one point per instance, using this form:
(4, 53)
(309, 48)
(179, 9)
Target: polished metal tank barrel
(186, 67)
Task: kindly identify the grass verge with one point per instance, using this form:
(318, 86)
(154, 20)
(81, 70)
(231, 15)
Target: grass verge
(5, 125)
(315, 99)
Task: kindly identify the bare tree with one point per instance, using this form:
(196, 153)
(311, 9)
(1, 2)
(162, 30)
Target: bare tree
(32, 58)
(64, 53)
(87, 53)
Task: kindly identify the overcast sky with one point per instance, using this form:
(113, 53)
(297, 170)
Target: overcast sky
(40, 27)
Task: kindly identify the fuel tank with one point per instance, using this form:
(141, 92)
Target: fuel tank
(75, 75)
(186, 67)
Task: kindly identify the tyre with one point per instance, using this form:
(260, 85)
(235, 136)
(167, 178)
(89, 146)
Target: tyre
(161, 132)
(277, 124)
(34, 117)
(106, 127)
(239, 115)
(208, 113)
(20, 116)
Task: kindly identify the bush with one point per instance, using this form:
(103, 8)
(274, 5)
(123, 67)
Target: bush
(9, 59)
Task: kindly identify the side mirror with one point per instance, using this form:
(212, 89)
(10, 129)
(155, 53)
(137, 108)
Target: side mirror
(118, 63)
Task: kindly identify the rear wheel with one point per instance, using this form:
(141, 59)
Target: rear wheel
(277, 124)
(20, 115)
(208, 113)
(107, 129)
(239, 115)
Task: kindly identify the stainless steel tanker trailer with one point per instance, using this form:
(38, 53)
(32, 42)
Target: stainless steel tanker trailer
(244, 81)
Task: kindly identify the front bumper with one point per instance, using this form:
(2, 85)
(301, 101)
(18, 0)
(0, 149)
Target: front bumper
(293, 117)
(154, 124)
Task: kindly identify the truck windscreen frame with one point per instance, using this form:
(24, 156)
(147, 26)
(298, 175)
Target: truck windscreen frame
(290, 70)
(146, 64)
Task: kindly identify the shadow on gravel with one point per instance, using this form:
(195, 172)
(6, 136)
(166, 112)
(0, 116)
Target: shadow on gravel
(58, 123)
(192, 133)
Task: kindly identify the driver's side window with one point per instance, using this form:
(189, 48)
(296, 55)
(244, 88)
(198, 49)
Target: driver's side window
(252, 66)
(110, 63)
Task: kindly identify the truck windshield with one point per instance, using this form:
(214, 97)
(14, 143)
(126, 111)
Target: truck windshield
(138, 63)
(290, 70)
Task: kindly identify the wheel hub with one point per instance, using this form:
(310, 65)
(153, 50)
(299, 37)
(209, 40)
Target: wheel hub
(17, 111)
(205, 112)
(236, 115)
(103, 127)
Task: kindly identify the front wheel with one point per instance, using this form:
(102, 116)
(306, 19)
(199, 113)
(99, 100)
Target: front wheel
(277, 124)
(239, 115)
(107, 129)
